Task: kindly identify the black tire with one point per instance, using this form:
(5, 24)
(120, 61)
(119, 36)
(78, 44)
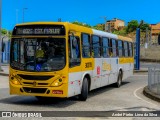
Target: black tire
(84, 91)
(119, 80)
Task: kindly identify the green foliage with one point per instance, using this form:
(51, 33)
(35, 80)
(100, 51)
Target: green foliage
(98, 27)
(81, 24)
(4, 31)
(120, 32)
(132, 25)
(144, 26)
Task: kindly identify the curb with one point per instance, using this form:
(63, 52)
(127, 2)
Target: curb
(136, 71)
(151, 95)
(4, 74)
(149, 60)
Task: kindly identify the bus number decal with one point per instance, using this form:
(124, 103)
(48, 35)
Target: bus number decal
(88, 65)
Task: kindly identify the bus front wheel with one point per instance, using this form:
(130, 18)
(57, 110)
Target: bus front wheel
(84, 91)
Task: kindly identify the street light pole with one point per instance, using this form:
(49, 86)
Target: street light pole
(0, 33)
(23, 14)
(105, 20)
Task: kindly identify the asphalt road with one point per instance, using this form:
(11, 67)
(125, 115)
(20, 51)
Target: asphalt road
(128, 97)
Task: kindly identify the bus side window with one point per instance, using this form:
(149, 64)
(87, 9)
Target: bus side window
(86, 46)
(120, 48)
(130, 49)
(74, 51)
(96, 46)
(113, 45)
(105, 48)
(125, 49)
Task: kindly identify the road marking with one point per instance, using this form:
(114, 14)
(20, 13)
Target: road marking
(142, 98)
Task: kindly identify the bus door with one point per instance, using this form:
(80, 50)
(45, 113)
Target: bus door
(114, 62)
(106, 63)
(75, 74)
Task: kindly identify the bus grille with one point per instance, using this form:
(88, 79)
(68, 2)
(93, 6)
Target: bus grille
(32, 77)
(31, 83)
(34, 90)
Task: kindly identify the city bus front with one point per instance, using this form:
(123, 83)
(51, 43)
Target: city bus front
(38, 62)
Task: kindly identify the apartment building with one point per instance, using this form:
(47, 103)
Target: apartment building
(115, 24)
(155, 31)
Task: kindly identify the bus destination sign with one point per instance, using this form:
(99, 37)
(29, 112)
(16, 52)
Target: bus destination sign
(39, 30)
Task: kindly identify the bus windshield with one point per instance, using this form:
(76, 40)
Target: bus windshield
(40, 54)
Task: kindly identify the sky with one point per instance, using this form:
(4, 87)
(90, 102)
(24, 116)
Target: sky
(87, 11)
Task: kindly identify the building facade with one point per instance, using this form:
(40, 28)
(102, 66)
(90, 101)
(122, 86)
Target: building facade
(115, 24)
(155, 31)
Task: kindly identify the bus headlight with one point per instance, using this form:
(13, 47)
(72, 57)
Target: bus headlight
(16, 82)
(57, 82)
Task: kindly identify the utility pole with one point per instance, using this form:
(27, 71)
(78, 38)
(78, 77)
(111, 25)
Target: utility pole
(23, 14)
(146, 44)
(59, 20)
(105, 20)
(0, 34)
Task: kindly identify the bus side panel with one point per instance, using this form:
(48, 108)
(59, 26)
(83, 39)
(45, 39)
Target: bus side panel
(114, 70)
(106, 70)
(127, 68)
(97, 72)
(75, 82)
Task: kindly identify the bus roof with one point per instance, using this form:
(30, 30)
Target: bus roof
(41, 23)
(85, 29)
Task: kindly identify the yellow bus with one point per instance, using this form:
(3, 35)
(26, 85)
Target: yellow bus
(60, 59)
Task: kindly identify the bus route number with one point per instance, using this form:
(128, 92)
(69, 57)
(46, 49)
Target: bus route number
(88, 65)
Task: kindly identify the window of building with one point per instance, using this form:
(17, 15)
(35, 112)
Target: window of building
(86, 46)
(105, 45)
(96, 46)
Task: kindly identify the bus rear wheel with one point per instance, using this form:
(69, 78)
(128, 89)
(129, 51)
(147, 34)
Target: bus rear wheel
(84, 91)
(119, 80)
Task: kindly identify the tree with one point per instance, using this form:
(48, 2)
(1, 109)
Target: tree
(4, 31)
(144, 26)
(81, 24)
(132, 25)
(98, 27)
(121, 32)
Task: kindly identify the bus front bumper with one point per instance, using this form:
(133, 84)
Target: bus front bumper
(60, 91)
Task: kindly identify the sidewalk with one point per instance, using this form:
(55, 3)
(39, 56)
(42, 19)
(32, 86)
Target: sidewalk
(148, 93)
